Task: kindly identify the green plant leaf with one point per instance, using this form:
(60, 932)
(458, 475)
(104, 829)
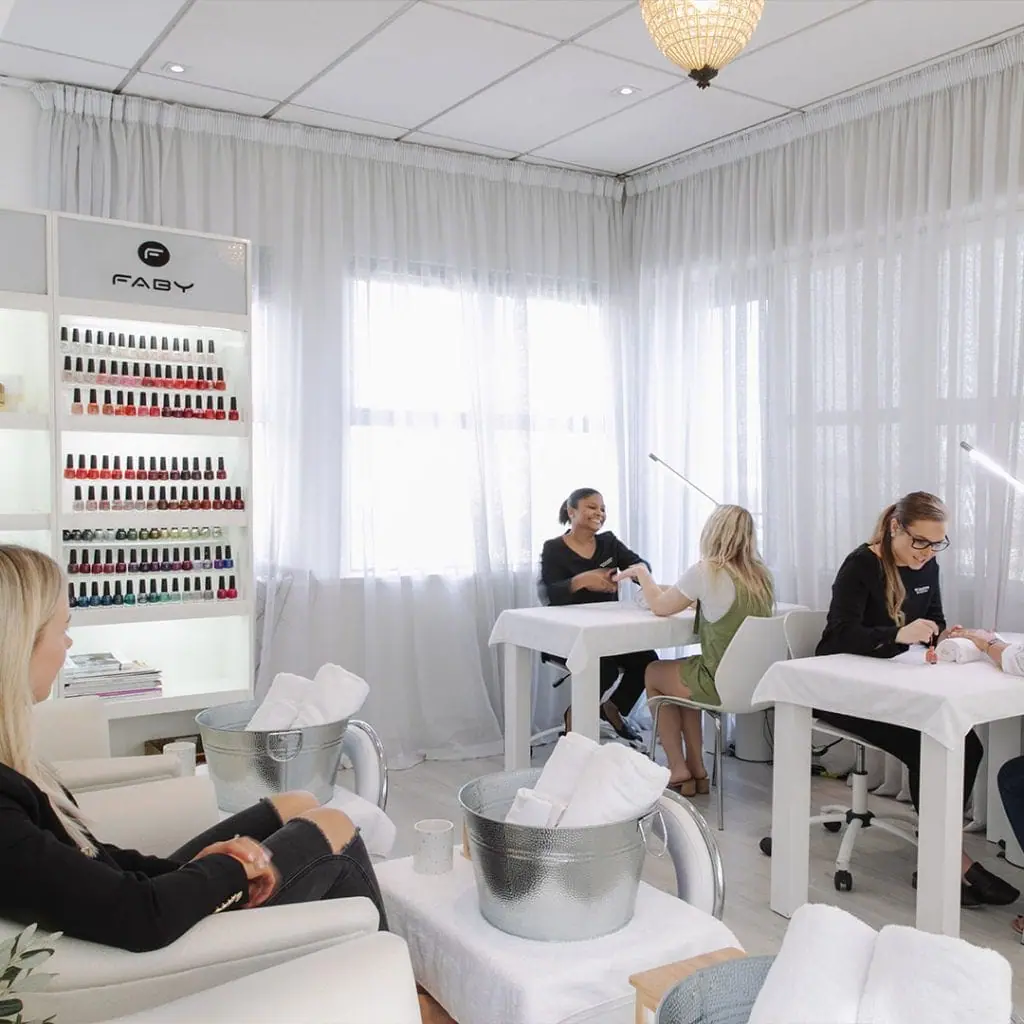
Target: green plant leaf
(10, 1007)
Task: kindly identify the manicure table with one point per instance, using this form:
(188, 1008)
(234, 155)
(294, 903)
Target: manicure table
(582, 634)
(942, 701)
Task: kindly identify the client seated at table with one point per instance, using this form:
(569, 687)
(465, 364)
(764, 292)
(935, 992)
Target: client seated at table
(53, 872)
(886, 598)
(1008, 658)
(729, 583)
(577, 568)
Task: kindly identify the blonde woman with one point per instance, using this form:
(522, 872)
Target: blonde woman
(729, 583)
(54, 872)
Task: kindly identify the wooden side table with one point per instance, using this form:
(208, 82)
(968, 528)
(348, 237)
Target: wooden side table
(652, 985)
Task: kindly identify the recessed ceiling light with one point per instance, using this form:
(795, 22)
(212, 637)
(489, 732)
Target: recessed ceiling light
(175, 69)
(626, 90)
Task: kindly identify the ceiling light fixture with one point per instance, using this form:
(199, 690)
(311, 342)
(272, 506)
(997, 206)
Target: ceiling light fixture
(626, 90)
(175, 69)
(701, 36)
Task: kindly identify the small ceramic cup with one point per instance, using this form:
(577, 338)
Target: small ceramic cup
(435, 842)
(185, 752)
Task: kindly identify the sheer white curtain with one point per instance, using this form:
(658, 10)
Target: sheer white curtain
(824, 318)
(438, 362)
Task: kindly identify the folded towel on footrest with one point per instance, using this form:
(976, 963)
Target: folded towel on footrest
(564, 768)
(618, 784)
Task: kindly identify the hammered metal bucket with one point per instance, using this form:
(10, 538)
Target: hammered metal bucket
(247, 766)
(550, 884)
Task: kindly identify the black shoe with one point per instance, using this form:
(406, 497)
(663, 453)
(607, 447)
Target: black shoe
(622, 727)
(991, 888)
(970, 899)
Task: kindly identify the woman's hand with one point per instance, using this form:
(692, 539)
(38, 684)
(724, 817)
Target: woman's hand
(599, 580)
(981, 638)
(920, 631)
(637, 573)
(255, 858)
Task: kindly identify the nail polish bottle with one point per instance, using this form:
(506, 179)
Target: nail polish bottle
(119, 406)
(165, 596)
(107, 598)
(186, 588)
(174, 532)
(102, 377)
(94, 471)
(66, 374)
(211, 354)
(118, 596)
(162, 502)
(186, 561)
(200, 354)
(229, 562)
(90, 500)
(208, 591)
(165, 350)
(88, 337)
(133, 561)
(83, 596)
(208, 472)
(164, 475)
(175, 592)
(233, 411)
(94, 596)
(185, 354)
(105, 468)
(165, 410)
(65, 345)
(72, 562)
(93, 408)
(220, 408)
(190, 378)
(207, 560)
(186, 473)
(108, 405)
(87, 535)
(116, 504)
(136, 504)
(176, 351)
(108, 562)
(178, 412)
(121, 534)
(222, 591)
(222, 473)
(77, 504)
(90, 372)
(144, 563)
(162, 532)
(166, 565)
(129, 409)
(104, 500)
(78, 377)
(143, 598)
(158, 377)
(147, 376)
(135, 377)
(97, 563)
(133, 534)
(179, 379)
(141, 474)
(154, 473)
(239, 502)
(175, 471)
(76, 402)
(151, 503)
(115, 472)
(172, 503)
(216, 531)
(121, 566)
(129, 594)
(206, 504)
(67, 536)
(75, 337)
(218, 504)
(218, 559)
(196, 503)
(69, 468)
(232, 589)
(209, 414)
(190, 413)
(72, 600)
(143, 407)
(220, 384)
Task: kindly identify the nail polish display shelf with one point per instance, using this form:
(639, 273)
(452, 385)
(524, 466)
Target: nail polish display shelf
(159, 613)
(113, 520)
(152, 425)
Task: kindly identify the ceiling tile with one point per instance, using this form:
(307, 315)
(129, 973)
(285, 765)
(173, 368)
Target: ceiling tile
(338, 122)
(40, 66)
(561, 19)
(421, 64)
(872, 41)
(627, 35)
(111, 31)
(557, 94)
(174, 90)
(268, 47)
(660, 128)
(440, 142)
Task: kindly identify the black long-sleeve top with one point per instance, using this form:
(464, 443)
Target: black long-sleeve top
(858, 620)
(119, 898)
(559, 564)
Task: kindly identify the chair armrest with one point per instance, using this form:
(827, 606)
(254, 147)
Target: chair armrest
(84, 774)
(154, 817)
(95, 983)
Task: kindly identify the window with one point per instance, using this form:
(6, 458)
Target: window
(472, 414)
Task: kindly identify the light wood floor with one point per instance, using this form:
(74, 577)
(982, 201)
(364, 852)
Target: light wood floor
(881, 868)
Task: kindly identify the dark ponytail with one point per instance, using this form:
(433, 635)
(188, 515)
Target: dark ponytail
(573, 501)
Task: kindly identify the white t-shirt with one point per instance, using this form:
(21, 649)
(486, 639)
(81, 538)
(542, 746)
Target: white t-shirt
(715, 590)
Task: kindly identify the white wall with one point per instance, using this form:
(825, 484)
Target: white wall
(19, 119)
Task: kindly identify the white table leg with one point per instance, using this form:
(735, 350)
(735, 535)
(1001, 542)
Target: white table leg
(586, 700)
(940, 838)
(791, 798)
(1004, 742)
(518, 679)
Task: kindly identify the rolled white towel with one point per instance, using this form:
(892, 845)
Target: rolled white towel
(820, 970)
(334, 695)
(530, 809)
(564, 767)
(917, 976)
(958, 649)
(282, 704)
(618, 784)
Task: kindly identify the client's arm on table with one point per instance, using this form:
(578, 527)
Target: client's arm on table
(663, 601)
(1008, 657)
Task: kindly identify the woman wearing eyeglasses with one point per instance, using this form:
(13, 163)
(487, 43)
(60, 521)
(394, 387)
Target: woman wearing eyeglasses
(886, 598)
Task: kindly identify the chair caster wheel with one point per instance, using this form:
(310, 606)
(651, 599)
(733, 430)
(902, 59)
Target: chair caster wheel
(833, 826)
(843, 881)
(765, 846)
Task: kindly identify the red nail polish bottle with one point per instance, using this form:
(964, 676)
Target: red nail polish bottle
(179, 380)
(206, 499)
(69, 468)
(186, 562)
(219, 383)
(222, 591)
(208, 472)
(209, 414)
(147, 377)
(115, 473)
(94, 473)
(165, 410)
(119, 405)
(158, 376)
(178, 413)
(76, 402)
(195, 504)
(176, 560)
(164, 475)
(72, 567)
(154, 404)
(93, 408)
(129, 468)
(121, 566)
(144, 406)
(220, 408)
(108, 562)
(175, 472)
(232, 590)
(190, 379)
(97, 564)
(233, 411)
(217, 503)
(105, 469)
(81, 473)
(239, 503)
(129, 409)
(138, 381)
(154, 473)
(108, 405)
(189, 414)
(222, 473)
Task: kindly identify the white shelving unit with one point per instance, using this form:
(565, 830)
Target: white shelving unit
(71, 330)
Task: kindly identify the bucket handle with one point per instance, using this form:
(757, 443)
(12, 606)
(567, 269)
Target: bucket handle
(280, 748)
(655, 814)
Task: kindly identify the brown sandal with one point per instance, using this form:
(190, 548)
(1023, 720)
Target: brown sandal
(703, 785)
(686, 787)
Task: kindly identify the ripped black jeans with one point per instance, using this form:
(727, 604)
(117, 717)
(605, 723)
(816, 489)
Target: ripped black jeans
(307, 867)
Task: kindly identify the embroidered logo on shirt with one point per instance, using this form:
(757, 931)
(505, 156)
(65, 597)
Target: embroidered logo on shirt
(921, 590)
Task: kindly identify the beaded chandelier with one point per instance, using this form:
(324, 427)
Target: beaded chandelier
(701, 36)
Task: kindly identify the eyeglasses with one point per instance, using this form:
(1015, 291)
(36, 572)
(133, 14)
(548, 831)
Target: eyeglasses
(923, 544)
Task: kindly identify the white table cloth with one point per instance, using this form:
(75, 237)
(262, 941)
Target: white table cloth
(942, 701)
(582, 634)
(482, 976)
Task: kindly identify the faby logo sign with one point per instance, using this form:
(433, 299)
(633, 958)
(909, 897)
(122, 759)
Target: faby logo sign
(156, 255)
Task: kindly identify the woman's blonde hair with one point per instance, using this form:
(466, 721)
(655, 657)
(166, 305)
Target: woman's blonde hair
(728, 543)
(911, 508)
(30, 589)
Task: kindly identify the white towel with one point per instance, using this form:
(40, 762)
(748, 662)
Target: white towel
(917, 976)
(958, 649)
(558, 780)
(618, 784)
(281, 705)
(530, 809)
(335, 694)
(820, 971)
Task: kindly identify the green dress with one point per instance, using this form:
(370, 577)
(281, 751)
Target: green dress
(698, 672)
